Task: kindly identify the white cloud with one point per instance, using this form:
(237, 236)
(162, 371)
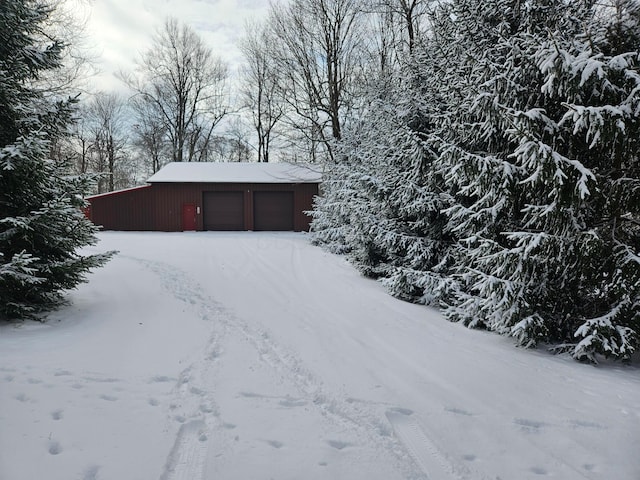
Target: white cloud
(121, 30)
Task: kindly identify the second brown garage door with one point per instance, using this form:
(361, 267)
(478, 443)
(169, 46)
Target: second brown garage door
(273, 210)
(223, 210)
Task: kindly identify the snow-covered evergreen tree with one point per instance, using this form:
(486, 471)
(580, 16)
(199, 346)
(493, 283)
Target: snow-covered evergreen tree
(596, 77)
(491, 45)
(379, 203)
(501, 179)
(41, 221)
(528, 159)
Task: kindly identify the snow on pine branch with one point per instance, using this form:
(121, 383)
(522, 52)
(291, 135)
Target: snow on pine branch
(604, 335)
(533, 153)
(593, 119)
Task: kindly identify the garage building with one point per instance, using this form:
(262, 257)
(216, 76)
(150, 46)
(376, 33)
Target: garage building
(212, 196)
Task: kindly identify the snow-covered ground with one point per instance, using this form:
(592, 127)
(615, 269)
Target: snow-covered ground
(258, 356)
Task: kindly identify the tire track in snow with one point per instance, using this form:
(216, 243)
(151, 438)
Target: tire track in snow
(366, 419)
(187, 457)
(362, 419)
(192, 406)
(425, 453)
(379, 425)
(422, 446)
(409, 442)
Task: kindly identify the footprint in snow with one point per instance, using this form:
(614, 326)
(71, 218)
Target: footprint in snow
(21, 397)
(538, 470)
(275, 443)
(101, 380)
(458, 411)
(33, 381)
(54, 447)
(91, 473)
(153, 402)
(108, 398)
(469, 457)
(292, 402)
(197, 391)
(587, 424)
(338, 444)
(9, 378)
(402, 411)
(251, 395)
(530, 426)
(57, 414)
(204, 408)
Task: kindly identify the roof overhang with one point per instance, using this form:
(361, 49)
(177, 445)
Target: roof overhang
(219, 172)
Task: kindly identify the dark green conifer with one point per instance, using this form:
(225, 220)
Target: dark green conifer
(42, 225)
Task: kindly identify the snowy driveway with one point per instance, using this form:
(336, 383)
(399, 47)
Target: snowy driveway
(258, 356)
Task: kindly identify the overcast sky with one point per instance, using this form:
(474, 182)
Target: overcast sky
(120, 30)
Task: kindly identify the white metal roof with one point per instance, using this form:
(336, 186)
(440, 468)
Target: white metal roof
(196, 172)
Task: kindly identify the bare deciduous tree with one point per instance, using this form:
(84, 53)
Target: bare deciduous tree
(68, 20)
(395, 28)
(78, 143)
(149, 134)
(317, 58)
(260, 92)
(106, 116)
(411, 13)
(186, 85)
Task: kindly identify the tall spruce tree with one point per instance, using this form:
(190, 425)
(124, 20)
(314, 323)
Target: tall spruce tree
(544, 135)
(41, 219)
(596, 78)
(495, 282)
(507, 187)
(380, 203)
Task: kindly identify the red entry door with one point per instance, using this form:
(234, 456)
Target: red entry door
(188, 217)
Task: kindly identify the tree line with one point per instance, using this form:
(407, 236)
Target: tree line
(305, 71)
(173, 102)
(494, 173)
(479, 156)
(57, 146)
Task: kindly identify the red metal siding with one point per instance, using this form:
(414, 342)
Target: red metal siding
(303, 202)
(126, 210)
(159, 206)
(169, 199)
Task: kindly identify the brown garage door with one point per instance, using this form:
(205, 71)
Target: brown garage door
(223, 210)
(273, 210)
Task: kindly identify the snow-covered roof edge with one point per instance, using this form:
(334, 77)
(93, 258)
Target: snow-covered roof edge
(106, 194)
(217, 172)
